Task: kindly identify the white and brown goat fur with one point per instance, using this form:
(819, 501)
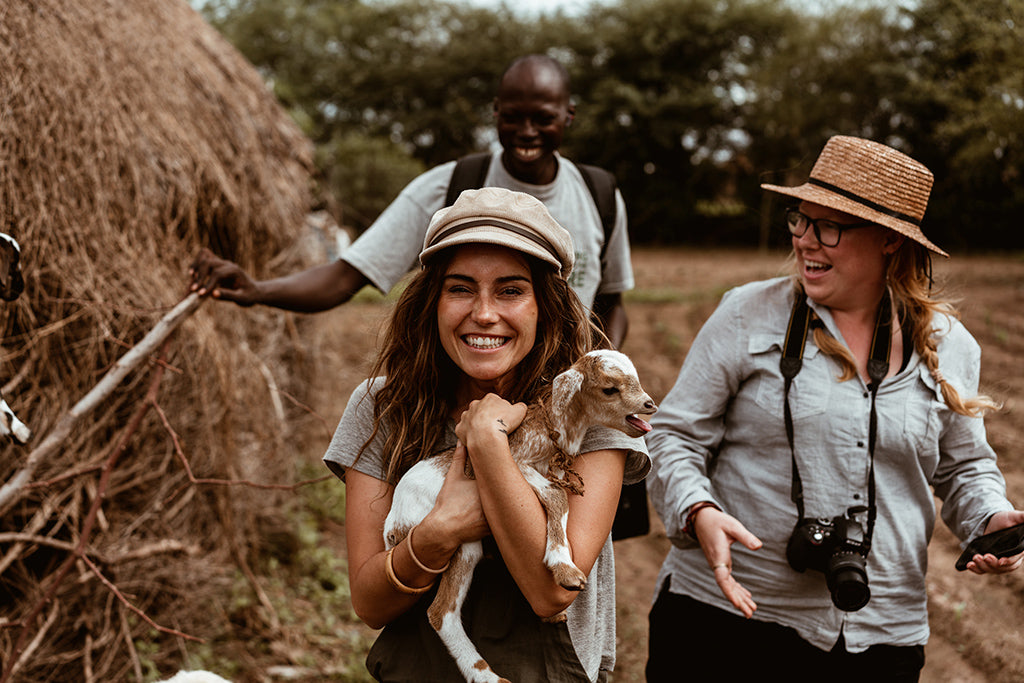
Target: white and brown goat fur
(11, 286)
(601, 388)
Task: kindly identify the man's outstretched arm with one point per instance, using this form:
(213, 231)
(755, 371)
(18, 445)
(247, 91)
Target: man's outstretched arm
(309, 291)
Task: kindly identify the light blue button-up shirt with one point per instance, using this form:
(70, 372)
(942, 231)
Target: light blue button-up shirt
(719, 435)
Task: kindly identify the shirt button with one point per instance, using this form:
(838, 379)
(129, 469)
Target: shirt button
(866, 394)
(860, 444)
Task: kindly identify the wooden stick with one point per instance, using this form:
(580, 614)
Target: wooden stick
(87, 525)
(10, 491)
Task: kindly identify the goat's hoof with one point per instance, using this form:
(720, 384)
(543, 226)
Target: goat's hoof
(482, 673)
(570, 577)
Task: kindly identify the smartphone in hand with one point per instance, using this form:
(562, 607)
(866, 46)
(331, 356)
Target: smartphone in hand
(1003, 543)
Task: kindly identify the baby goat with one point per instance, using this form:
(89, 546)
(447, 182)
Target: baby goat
(601, 388)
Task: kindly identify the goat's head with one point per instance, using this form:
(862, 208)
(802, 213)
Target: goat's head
(11, 282)
(605, 390)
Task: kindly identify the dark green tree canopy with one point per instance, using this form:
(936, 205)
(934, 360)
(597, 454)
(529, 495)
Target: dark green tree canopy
(692, 103)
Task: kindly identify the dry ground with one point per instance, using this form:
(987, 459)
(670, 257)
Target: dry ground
(977, 622)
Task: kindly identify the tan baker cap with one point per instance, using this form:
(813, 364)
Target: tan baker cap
(871, 181)
(494, 215)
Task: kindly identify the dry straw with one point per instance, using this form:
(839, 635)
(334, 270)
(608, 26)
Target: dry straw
(131, 134)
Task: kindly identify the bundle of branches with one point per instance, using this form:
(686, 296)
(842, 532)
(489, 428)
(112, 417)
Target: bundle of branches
(130, 135)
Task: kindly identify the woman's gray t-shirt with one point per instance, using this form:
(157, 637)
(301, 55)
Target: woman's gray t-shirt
(591, 616)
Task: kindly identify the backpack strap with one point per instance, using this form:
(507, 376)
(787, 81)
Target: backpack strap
(601, 184)
(471, 171)
(469, 174)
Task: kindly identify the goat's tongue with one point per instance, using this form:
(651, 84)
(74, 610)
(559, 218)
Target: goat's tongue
(642, 425)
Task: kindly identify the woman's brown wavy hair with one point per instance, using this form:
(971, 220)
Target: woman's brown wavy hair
(413, 405)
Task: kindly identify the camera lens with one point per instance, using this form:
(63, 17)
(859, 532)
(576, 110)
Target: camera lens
(848, 581)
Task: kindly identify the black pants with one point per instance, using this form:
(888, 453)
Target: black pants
(690, 640)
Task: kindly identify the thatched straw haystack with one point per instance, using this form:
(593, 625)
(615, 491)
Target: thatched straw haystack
(131, 134)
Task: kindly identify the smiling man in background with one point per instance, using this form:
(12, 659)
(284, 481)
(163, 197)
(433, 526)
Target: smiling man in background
(532, 109)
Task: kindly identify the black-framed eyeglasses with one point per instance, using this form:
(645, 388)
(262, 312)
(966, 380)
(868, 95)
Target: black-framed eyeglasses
(828, 232)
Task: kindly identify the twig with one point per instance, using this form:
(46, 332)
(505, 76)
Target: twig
(124, 601)
(87, 660)
(16, 380)
(229, 522)
(47, 483)
(39, 519)
(21, 537)
(132, 652)
(156, 548)
(10, 491)
(94, 511)
(179, 451)
(308, 410)
(15, 665)
(166, 545)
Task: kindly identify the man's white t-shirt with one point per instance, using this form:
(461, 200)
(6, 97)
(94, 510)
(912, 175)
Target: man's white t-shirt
(390, 247)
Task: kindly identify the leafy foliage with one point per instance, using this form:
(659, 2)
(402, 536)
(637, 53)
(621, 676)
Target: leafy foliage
(968, 93)
(692, 103)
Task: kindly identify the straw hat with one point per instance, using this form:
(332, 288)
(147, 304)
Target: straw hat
(871, 181)
(494, 215)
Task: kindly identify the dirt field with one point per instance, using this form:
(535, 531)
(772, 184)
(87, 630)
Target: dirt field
(977, 622)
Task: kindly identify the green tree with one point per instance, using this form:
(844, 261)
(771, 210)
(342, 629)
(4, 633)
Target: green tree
(840, 73)
(691, 103)
(967, 95)
(419, 76)
(660, 83)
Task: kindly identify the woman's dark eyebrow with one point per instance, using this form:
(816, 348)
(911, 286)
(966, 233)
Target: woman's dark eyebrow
(502, 280)
(515, 278)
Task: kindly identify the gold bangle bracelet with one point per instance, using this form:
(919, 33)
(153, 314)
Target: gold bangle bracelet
(396, 583)
(412, 554)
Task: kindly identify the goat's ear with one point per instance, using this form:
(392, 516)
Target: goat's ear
(565, 386)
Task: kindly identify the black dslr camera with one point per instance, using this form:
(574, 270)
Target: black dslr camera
(837, 548)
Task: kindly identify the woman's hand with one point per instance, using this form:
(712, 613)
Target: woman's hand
(457, 512)
(990, 564)
(487, 419)
(457, 517)
(717, 531)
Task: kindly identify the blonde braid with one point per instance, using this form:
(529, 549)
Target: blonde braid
(916, 306)
(972, 407)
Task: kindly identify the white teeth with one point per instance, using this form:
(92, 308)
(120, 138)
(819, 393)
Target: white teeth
(484, 342)
(815, 265)
(528, 153)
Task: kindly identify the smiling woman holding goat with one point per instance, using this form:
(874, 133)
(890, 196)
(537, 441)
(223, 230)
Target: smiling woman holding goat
(481, 330)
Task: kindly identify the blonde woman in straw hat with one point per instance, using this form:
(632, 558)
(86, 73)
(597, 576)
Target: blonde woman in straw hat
(482, 328)
(795, 460)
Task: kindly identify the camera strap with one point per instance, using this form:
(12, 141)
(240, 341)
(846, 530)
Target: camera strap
(800, 321)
